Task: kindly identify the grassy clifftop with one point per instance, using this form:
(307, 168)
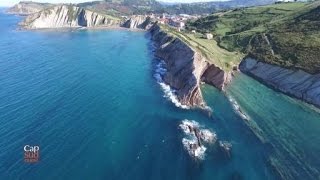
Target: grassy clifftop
(284, 34)
(222, 58)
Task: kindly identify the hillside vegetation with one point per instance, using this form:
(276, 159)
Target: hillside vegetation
(285, 34)
(129, 7)
(222, 58)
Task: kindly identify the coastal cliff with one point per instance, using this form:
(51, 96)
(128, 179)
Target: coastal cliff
(137, 22)
(217, 77)
(28, 7)
(186, 68)
(66, 16)
(296, 83)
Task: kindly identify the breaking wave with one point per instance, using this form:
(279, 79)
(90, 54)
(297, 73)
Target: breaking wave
(237, 108)
(169, 93)
(190, 146)
(197, 138)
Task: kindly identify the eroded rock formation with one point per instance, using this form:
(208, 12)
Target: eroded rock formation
(66, 16)
(137, 22)
(186, 68)
(28, 7)
(296, 83)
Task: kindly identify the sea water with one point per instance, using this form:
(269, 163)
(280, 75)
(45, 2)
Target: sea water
(92, 102)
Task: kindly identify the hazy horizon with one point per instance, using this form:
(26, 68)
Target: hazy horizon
(8, 3)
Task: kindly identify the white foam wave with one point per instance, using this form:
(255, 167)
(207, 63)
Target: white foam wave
(237, 108)
(186, 124)
(193, 149)
(169, 93)
(208, 136)
(195, 133)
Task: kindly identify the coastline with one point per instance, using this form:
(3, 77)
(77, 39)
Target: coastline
(63, 29)
(278, 142)
(294, 83)
(172, 49)
(186, 68)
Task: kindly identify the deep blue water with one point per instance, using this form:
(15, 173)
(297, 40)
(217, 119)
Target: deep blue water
(90, 101)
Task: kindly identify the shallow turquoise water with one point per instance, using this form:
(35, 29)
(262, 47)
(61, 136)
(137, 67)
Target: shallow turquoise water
(90, 101)
(289, 127)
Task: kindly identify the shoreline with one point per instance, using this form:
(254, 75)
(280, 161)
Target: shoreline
(267, 84)
(211, 77)
(296, 84)
(66, 29)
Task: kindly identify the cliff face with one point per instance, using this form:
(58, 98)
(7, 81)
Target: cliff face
(137, 22)
(28, 7)
(217, 77)
(65, 16)
(185, 68)
(295, 83)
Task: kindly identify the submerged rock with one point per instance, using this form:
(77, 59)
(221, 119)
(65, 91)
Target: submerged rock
(197, 138)
(226, 147)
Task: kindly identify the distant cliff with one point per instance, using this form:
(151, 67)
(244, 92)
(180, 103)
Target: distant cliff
(296, 83)
(137, 22)
(28, 7)
(66, 16)
(186, 68)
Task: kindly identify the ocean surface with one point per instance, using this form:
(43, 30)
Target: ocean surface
(92, 102)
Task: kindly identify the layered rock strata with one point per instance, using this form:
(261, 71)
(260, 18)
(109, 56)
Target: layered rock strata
(66, 16)
(295, 83)
(28, 7)
(137, 22)
(186, 68)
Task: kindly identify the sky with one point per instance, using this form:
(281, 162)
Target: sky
(12, 2)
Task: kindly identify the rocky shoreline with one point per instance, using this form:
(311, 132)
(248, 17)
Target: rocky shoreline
(186, 68)
(295, 83)
(71, 16)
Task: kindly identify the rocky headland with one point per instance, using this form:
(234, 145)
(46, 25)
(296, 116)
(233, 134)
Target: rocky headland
(186, 68)
(28, 7)
(67, 16)
(295, 83)
(72, 16)
(137, 22)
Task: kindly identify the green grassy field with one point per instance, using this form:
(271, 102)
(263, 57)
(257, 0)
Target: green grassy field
(209, 48)
(285, 34)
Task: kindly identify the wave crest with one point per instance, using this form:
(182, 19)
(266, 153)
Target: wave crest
(237, 108)
(197, 138)
(169, 93)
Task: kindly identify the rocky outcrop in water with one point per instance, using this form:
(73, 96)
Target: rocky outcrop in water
(186, 68)
(296, 83)
(137, 22)
(28, 7)
(197, 138)
(66, 16)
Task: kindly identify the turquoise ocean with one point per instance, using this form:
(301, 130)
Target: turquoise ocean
(90, 101)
